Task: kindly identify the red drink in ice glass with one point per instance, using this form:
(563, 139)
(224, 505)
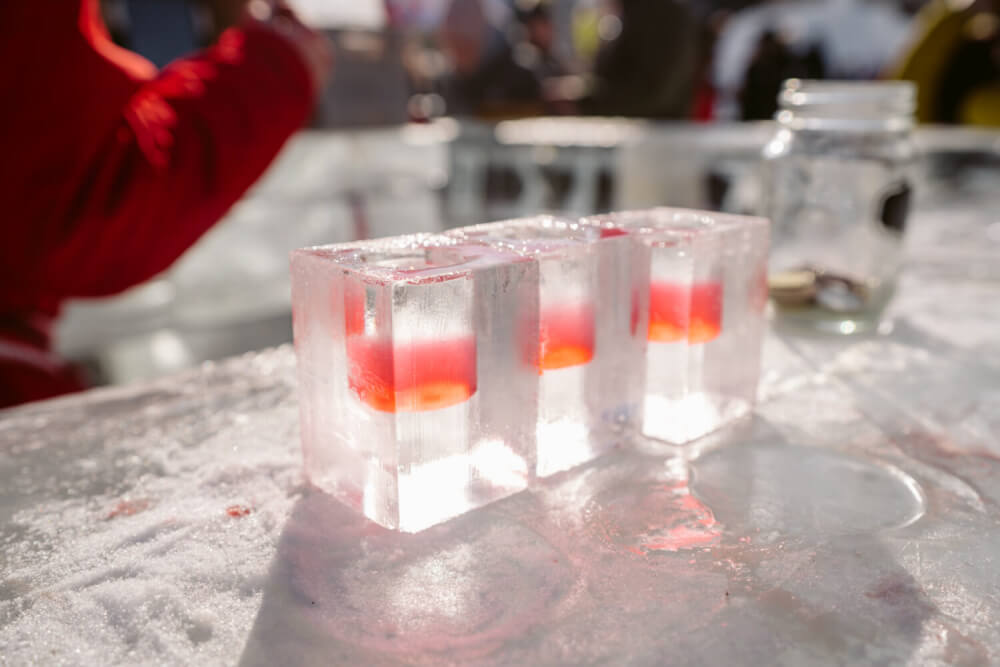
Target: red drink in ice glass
(413, 377)
(678, 312)
(566, 337)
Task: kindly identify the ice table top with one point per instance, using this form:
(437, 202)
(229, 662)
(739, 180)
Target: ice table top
(854, 519)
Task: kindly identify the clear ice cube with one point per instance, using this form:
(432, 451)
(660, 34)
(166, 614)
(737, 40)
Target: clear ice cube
(417, 361)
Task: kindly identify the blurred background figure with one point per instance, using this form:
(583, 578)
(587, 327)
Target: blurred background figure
(371, 87)
(485, 79)
(647, 61)
(955, 59)
(773, 62)
(765, 43)
(111, 169)
(669, 59)
(537, 46)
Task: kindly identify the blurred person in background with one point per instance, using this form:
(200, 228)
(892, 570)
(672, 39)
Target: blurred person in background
(712, 23)
(772, 63)
(647, 63)
(955, 60)
(539, 44)
(764, 44)
(485, 78)
(112, 169)
(536, 50)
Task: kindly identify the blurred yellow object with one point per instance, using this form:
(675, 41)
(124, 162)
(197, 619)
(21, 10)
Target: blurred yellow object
(982, 106)
(939, 31)
(942, 27)
(585, 36)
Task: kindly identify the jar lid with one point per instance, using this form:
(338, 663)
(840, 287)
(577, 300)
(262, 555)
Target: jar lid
(891, 97)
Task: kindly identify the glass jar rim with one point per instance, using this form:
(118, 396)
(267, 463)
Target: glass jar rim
(898, 97)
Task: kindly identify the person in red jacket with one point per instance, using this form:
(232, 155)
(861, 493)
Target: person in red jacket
(110, 169)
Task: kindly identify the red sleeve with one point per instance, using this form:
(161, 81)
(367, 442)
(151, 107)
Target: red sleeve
(188, 145)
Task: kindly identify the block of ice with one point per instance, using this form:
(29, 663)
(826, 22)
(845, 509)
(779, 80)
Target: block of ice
(440, 373)
(592, 318)
(707, 295)
(417, 359)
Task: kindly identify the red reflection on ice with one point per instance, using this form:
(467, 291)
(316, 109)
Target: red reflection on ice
(694, 525)
(611, 232)
(646, 518)
(129, 507)
(238, 511)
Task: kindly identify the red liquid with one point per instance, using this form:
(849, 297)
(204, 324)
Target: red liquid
(566, 336)
(677, 312)
(411, 378)
(129, 507)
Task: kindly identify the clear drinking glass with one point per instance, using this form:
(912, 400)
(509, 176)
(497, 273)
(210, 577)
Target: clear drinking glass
(837, 188)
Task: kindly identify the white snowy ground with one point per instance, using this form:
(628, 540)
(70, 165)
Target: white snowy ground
(137, 525)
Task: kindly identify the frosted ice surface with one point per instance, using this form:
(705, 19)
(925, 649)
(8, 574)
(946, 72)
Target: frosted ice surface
(167, 523)
(137, 524)
(852, 520)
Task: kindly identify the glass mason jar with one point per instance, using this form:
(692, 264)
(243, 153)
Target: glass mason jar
(837, 188)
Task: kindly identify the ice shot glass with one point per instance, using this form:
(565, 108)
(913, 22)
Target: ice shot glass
(707, 298)
(592, 321)
(417, 362)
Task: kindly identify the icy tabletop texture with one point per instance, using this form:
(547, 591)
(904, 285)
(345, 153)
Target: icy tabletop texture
(852, 519)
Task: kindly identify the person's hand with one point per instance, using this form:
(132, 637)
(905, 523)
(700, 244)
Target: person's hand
(313, 47)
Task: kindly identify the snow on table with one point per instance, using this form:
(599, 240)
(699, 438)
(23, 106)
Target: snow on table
(852, 519)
